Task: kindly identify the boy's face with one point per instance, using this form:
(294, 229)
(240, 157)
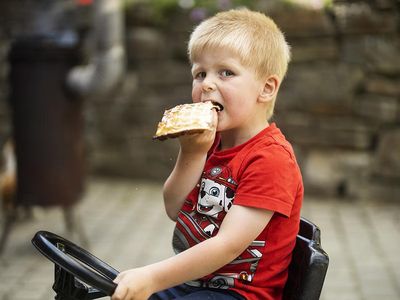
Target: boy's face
(219, 75)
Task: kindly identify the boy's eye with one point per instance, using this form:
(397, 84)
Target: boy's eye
(227, 73)
(200, 75)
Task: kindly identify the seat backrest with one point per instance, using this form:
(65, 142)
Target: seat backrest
(309, 265)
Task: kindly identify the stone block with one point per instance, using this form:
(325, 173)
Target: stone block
(307, 50)
(157, 96)
(320, 87)
(300, 21)
(141, 157)
(342, 132)
(382, 85)
(377, 108)
(387, 156)
(140, 14)
(145, 43)
(361, 18)
(384, 4)
(377, 188)
(178, 45)
(379, 54)
(164, 73)
(329, 171)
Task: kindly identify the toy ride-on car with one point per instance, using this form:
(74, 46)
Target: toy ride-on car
(79, 275)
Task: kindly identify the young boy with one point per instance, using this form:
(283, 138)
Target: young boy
(236, 191)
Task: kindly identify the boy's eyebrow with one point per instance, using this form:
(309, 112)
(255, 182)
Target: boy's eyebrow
(194, 68)
(220, 65)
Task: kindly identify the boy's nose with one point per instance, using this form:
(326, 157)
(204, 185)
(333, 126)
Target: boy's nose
(208, 85)
(208, 88)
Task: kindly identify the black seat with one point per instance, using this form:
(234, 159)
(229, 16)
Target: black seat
(309, 265)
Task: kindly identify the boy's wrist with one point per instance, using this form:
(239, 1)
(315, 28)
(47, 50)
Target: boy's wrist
(156, 280)
(148, 277)
(193, 153)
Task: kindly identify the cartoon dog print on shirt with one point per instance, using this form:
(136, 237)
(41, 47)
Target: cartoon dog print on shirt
(215, 195)
(214, 198)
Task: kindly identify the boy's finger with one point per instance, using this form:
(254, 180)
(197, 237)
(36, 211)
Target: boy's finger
(120, 293)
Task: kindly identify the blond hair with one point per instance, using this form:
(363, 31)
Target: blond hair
(253, 36)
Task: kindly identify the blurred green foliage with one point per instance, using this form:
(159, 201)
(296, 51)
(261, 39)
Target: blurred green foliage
(197, 9)
(201, 9)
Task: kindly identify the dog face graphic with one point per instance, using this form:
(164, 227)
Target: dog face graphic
(214, 198)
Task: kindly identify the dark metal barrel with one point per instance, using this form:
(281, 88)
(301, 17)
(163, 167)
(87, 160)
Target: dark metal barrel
(47, 121)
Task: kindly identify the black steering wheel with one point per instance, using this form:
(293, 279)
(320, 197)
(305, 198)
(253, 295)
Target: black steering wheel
(75, 268)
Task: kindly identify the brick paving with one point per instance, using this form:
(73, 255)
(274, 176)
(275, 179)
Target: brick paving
(126, 226)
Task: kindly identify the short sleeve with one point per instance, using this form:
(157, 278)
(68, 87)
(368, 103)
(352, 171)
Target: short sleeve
(269, 179)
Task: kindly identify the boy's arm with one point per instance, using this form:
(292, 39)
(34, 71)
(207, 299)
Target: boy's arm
(182, 180)
(200, 260)
(188, 168)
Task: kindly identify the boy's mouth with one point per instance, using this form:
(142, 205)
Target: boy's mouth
(217, 105)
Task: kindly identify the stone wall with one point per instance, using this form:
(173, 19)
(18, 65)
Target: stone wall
(340, 102)
(339, 105)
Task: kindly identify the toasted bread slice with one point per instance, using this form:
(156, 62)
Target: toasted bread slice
(186, 119)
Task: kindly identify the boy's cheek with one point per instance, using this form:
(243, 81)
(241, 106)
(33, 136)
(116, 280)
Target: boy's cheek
(196, 96)
(195, 100)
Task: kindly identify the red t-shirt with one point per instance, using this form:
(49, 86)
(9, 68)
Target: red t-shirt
(261, 173)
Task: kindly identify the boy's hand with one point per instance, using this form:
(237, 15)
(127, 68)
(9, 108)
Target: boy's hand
(133, 284)
(199, 143)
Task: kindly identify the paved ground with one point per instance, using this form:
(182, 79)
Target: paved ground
(127, 227)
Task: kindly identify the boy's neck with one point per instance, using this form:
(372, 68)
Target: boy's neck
(233, 138)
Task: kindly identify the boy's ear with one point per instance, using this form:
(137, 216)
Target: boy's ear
(270, 89)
